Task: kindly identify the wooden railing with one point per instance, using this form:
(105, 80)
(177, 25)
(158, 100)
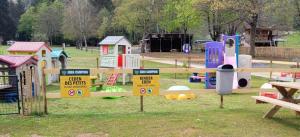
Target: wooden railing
(131, 61)
(278, 52)
(95, 71)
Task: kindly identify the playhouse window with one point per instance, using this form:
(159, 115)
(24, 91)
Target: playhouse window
(43, 53)
(111, 50)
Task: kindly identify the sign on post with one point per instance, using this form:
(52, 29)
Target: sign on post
(75, 83)
(146, 82)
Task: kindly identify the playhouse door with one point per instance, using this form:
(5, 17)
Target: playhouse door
(121, 51)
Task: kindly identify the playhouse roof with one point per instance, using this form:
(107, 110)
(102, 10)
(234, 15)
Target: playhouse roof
(56, 53)
(18, 60)
(28, 46)
(112, 40)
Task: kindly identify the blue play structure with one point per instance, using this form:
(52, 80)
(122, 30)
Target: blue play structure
(218, 53)
(213, 58)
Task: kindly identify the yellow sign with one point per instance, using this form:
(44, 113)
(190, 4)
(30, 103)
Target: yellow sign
(146, 82)
(75, 83)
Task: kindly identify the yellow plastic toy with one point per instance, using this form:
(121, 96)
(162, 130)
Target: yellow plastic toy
(180, 96)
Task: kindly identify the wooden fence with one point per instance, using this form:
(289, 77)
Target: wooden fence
(95, 71)
(285, 53)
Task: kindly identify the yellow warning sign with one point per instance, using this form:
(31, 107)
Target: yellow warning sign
(146, 82)
(75, 83)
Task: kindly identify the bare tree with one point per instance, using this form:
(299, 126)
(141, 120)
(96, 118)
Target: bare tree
(80, 22)
(49, 20)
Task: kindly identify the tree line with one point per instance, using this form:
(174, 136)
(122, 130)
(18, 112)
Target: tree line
(84, 22)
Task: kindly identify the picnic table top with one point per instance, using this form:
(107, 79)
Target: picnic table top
(5, 86)
(294, 85)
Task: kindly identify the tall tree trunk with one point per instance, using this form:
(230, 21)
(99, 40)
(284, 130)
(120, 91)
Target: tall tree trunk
(297, 7)
(80, 44)
(184, 35)
(209, 26)
(143, 46)
(85, 43)
(253, 25)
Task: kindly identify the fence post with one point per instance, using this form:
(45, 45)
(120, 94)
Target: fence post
(22, 94)
(123, 69)
(295, 74)
(143, 63)
(63, 46)
(142, 103)
(189, 65)
(44, 90)
(97, 59)
(175, 67)
(271, 66)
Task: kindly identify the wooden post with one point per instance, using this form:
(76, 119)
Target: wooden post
(271, 66)
(175, 67)
(221, 103)
(63, 46)
(142, 97)
(44, 90)
(97, 62)
(143, 63)
(142, 103)
(189, 65)
(123, 68)
(297, 66)
(271, 61)
(22, 94)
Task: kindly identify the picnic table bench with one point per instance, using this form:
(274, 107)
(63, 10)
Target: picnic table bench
(287, 90)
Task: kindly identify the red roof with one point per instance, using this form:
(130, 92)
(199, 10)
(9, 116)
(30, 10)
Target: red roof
(28, 46)
(17, 60)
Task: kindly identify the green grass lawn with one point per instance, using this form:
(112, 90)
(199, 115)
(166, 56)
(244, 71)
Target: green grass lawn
(3, 49)
(121, 117)
(95, 116)
(292, 40)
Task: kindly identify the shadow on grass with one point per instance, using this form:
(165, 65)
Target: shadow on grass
(288, 122)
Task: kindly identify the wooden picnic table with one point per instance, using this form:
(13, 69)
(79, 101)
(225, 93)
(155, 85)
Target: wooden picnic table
(287, 90)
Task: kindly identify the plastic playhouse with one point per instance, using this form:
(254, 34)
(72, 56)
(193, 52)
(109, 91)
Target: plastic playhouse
(227, 52)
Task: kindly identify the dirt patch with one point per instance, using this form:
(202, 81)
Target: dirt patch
(99, 134)
(190, 132)
(6, 135)
(36, 135)
(174, 55)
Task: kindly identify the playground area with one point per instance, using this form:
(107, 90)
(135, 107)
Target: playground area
(99, 116)
(149, 68)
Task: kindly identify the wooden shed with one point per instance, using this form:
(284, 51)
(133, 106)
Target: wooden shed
(166, 42)
(264, 36)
